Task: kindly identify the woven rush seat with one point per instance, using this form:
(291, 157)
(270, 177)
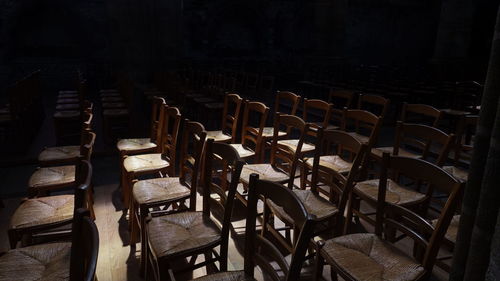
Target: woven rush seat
(314, 204)
(218, 136)
(292, 144)
(46, 262)
(268, 132)
(69, 152)
(458, 173)
(158, 190)
(401, 152)
(242, 151)
(115, 112)
(50, 176)
(135, 144)
(176, 233)
(395, 193)
(364, 256)
(71, 106)
(43, 210)
(359, 137)
(67, 114)
(226, 276)
(333, 162)
(144, 162)
(265, 172)
(451, 233)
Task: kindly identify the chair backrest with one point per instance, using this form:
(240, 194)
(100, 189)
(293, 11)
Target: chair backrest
(340, 99)
(221, 159)
(282, 156)
(421, 113)
(84, 184)
(393, 217)
(466, 129)
(363, 123)
(376, 104)
(84, 247)
(232, 102)
(289, 99)
(250, 134)
(340, 183)
(193, 140)
(316, 108)
(170, 124)
(87, 119)
(156, 113)
(87, 146)
(421, 138)
(261, 251)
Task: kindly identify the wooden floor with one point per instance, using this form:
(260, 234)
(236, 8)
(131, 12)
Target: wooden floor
(117, 260)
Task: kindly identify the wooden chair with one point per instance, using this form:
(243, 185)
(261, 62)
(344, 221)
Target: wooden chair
(181, 235)
(251, 137)
(284, 159)
(162, 162)
(362, 125)
(57, 261)
(375, 104)
(337, 177)
(229, 120)
(43, 214)
(285, 103)
(418, 141)
(67, 123)
(361, 256)
(262, 251)
(46, 179)
(318, 113)
(169, 191)
(340, 99)
(63, 155)
(421, 114)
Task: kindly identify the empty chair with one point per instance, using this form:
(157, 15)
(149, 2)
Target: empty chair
(181, 235)
(230, 117)
(364, 256)
(363, 125)
(75, 260)
(42, 214)
(375, 104)
(46, 179)
(421, 114)
(251, 136)
(162, 162)
(340, 100)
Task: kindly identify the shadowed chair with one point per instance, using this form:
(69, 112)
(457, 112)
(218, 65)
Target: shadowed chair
(230, 117)
(174, 237)
(61, 155)
(46, 179)
(75, 260)
(162, 163)
(286, 103)
(375, 104)
(169, 192)
(263, 252)
(340, 99)
(50, 213)
(251, 137)
(367, 256)
(421, 114)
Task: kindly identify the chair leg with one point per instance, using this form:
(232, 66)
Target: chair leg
(319, 264)
(13, 238)
(133, 224)
(144, 245)
(303, 177)
(223, 256)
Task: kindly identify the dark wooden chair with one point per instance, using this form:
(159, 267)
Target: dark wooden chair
(62, 260)
(251, 136)
(177, 236)
(263, 252)
(418, 141)
(230, 118)
(421, 114)
(162, 163)
(67, 123)
(63, 155)
(46, 179)
(361, 256)
(340, 100)
(363, 125)
(43, 214)
(375, 104)
(169, 192)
